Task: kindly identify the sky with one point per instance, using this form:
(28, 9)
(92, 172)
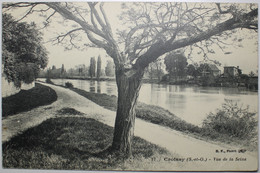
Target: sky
(245, 57)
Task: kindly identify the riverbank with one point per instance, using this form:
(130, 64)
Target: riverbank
(145, 80)
(28, 99)
(36, 135)
(87, 78)
(240, 86)
(71, 109)
(76, 143)
(36, 139)
(160, 116)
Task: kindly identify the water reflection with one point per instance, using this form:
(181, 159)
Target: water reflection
(92, 87)
(191, 103)
(154, 93)
(98, 87)
(111, 88)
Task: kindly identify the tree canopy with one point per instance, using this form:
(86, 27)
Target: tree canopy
(99, 67)
(176, 64)
(151, 29)
(92, 67)
(23, 53)
(192, 70)
(109, 69)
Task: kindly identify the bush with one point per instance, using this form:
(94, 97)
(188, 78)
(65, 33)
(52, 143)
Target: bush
(48, 80)
(68, 85)
(232, 120)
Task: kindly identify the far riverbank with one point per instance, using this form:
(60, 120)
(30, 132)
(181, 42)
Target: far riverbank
(250, 85)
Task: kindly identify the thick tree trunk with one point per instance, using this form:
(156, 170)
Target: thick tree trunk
(128, 91)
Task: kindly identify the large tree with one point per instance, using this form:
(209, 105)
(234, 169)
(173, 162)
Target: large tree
(23, 54)
(192, 70)
(151, 30)
(176, 65)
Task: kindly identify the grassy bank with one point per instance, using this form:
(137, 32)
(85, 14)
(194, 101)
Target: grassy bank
(151, 113)
(72, 143)
(160, 116)
(28, 99)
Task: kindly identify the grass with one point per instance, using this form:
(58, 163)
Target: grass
(28, 99)
(69, 111)
(160, 116)
(71, 143)
(151, 113)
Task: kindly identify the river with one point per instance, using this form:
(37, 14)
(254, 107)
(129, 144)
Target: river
(191, 103)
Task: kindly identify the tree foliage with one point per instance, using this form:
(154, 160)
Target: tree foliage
(251, 74)
(62, 69)
(192, 70)
(155, 69)
(99, 67)
(110, 69)
(92, 67)
(23, 53)
(176, 64)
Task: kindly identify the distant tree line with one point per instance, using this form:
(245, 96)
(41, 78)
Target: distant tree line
(94, 70)
(172, 69)
(207, 74)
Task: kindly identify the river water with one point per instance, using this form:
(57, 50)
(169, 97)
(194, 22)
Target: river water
(191, 103)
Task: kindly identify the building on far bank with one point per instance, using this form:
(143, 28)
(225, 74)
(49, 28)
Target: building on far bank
(231, 71)
(210, 70)
(214, 70)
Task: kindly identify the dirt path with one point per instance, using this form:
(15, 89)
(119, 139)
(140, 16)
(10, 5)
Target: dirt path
(181, 146)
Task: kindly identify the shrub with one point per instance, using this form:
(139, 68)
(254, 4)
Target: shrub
(48, 80)
(232, 119)
(68, 85)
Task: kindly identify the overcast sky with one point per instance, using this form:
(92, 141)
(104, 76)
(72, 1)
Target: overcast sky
(245, 57)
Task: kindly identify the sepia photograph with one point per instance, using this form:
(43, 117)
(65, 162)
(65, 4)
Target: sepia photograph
(129, 86)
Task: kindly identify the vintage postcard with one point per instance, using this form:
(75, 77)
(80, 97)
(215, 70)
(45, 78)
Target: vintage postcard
(129, 86)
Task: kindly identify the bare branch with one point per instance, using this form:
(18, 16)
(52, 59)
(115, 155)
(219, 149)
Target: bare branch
(43, 10)
(47, 20)
(221, 11)
(93, 20)
(81, 16)
(68, 15)
(94, 11)
(166, 26)
(159, 49)
(71, 41)
(60, 38)
(29, 12)
(19, 4)
(105, 17)
(113, 51)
